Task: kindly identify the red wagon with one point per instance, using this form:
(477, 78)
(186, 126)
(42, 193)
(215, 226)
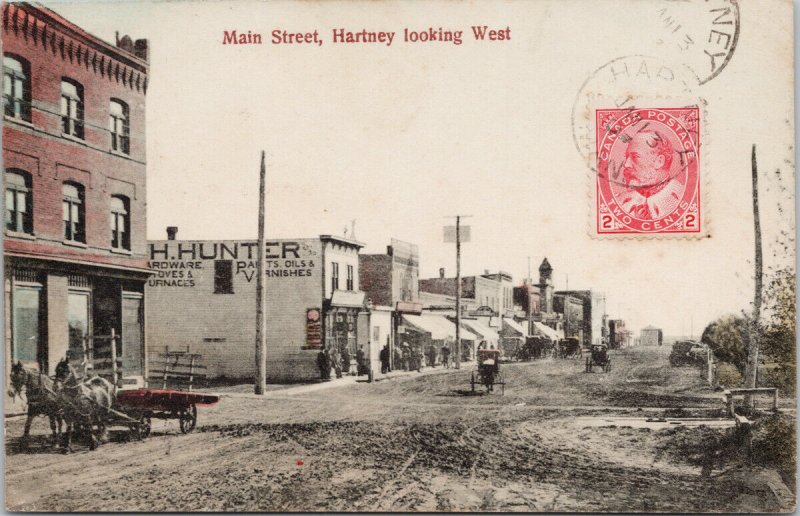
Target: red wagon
(145, 404)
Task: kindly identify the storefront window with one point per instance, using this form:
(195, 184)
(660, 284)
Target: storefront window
(78, 309)
(26, 324)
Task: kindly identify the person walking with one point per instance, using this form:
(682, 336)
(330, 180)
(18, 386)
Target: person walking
(384, 356)
(406, 357)
(446, 357)
(432, 356)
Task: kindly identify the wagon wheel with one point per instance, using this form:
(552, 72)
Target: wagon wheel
(188, 418)
(141, 429)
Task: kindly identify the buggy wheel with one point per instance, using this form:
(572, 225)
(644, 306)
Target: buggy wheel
(141, 429)
(188, 419)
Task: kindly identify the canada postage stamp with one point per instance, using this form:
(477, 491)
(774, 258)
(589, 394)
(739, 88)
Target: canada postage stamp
(648, 171)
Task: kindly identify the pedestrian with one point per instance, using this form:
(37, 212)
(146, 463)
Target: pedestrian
(432, 356)
(446, 357)
(384, 356)
(345, 361)
(361, 362)
(337, 362)
(406, 357)
(324, 366)
(419, 357)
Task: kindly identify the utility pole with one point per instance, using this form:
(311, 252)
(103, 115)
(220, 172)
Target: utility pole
(261, 343)
(751, 371)
(458, 285)
(528, 297)
(458, 292)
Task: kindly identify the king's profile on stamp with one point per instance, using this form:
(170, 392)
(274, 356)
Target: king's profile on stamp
(653, 189)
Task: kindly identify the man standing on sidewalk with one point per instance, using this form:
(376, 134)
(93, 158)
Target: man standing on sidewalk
(446, 357)
(324, 366)
(384, 356)
(345, 361)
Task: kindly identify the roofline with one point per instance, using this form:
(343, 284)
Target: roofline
(342, 240)
(77, 32)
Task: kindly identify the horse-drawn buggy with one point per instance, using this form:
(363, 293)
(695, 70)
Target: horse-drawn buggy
(89, 402)
(598, 357)
(488, 373)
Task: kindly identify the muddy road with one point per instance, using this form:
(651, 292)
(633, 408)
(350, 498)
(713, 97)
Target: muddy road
(413, 443)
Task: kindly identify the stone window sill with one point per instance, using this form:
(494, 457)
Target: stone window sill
(17, 234)
(74, 243)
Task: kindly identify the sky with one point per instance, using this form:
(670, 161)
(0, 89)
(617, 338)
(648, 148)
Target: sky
(399, 138)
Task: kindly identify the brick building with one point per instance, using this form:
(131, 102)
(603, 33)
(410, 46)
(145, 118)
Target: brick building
(492, 291)
(391, 284)
(74, 170)
(203, 296)
(619, 336)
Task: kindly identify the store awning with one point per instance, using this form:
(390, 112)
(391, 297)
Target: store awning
(514, 327)
(438, 326)
(545, 330)
(486, 333)
(347, 299)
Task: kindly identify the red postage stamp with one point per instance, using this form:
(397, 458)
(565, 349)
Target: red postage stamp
(648, 171)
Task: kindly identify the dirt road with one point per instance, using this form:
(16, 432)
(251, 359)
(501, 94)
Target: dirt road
(415, 443)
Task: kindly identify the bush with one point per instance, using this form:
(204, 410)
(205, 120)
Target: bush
(783, 377)
(728, 375)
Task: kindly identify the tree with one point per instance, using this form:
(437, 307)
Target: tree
(729, 339)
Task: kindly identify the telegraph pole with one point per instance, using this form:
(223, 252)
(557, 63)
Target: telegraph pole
(458, 218)
(458, 292)
(261, 343)
(528, 299)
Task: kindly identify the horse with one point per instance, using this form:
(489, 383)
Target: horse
(41, 396)
(86, 403)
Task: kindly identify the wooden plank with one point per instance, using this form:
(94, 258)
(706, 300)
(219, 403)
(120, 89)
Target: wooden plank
(176, 374)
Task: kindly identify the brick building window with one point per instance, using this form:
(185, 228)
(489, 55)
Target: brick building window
(223, 276)
(19, 213)
(118, 125)
(73, 211)
(334, 276)
(16, 88)
(350, 285)
(72, 108)
(120, 223)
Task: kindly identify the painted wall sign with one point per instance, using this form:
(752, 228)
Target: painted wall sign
(313, 328)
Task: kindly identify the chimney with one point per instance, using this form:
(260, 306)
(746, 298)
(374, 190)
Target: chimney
(141, 49)
(172, 231)
(441, 273)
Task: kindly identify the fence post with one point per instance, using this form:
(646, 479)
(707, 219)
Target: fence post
(775, 400)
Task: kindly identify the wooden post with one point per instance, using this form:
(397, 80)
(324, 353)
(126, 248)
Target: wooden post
(458, 293)
(114, 358)
(191, 371)
(260, 386)
(166, 368)
(775, 400)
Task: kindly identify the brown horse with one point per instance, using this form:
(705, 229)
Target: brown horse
(86, 403)
(42, 397)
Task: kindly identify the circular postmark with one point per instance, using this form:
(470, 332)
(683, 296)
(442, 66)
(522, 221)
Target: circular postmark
(626, 83)
(701, 35)
(648, 170)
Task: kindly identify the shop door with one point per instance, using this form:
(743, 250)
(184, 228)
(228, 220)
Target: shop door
(26, 337)
(78, 320)
(132, 326)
